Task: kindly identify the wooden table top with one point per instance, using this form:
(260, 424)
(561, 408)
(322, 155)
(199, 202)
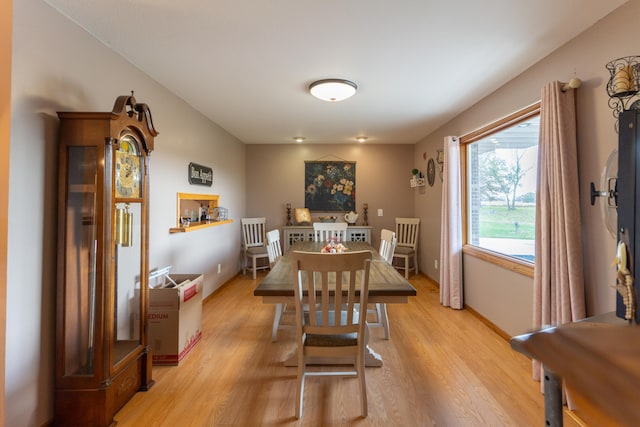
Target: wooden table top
(385, 283)
(598, 358)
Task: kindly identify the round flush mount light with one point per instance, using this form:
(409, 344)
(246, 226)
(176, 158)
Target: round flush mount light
(298, 138)
(361, 138)
(333, 90)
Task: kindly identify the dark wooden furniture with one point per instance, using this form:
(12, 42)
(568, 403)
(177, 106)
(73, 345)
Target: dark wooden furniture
(385, 283)
(628, 203)
(102, 356)
(598, 360)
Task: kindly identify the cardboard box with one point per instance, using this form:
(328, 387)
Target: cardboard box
(175, 317)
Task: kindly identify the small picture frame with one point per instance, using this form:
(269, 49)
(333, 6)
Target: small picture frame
(440, 156)
(302, 216)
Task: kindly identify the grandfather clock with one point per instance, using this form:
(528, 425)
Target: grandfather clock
(628, 207)
(102, 355)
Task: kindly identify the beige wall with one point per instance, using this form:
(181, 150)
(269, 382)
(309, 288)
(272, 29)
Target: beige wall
(5, 114)
(585, 57)
(57, 66)
(275, 177)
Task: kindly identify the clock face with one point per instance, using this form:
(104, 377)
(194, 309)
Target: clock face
(128, 171)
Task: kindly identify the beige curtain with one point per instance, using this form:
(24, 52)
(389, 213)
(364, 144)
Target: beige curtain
(558, 281)
(451, 294)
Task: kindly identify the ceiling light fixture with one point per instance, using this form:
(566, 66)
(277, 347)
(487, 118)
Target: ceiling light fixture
(298, 138)
(333, 90)
(361, 138)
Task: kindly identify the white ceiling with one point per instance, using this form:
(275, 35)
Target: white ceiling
(246, 64)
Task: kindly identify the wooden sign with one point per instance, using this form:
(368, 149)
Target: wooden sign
(200, 175)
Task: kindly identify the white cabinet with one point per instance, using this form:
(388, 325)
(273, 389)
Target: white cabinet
(355, 233)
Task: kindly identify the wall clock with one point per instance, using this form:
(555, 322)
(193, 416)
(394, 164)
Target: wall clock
(431, 172)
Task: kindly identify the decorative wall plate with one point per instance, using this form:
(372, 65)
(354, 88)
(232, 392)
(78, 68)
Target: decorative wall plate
(431, 172)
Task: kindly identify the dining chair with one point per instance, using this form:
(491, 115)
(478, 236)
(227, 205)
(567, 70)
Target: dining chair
(274, 250)
(407, 246)
(322, 331)
(323, 231)
(254, 245)
(388, 243)
(379, 310)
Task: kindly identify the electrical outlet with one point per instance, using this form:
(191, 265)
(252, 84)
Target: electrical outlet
(219, 268)
(379, 212)
(435, 263)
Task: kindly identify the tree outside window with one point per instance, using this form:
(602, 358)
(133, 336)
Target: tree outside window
(501, 183)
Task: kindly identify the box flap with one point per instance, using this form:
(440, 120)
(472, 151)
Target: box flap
(171, 296)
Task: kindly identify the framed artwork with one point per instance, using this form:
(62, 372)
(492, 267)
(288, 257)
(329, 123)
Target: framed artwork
(302, 215)
(330, 186)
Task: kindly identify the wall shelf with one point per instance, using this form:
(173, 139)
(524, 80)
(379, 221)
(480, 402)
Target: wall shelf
(194, 205)
(198, 226)
(416, 182)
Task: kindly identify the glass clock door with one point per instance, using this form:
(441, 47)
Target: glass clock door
(128, 223)
(128, 245)
(80, 263)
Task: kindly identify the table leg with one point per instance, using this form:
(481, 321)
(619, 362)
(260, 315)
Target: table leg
(552, 399)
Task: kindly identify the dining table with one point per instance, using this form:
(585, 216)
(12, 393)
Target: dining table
(386, 285)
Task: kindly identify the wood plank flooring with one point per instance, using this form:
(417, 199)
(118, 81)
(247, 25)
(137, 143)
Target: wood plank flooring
(442, 367)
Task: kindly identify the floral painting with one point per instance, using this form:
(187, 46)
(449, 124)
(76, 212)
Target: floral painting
(330, 186)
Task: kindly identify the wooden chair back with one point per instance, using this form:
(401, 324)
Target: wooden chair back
(273, 247)
(323, 231)
(388, 243)
(253, 232)
(407, 232)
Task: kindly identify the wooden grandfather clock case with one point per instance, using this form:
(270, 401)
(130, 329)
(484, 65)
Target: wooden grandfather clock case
(628, 206)
(102, 355)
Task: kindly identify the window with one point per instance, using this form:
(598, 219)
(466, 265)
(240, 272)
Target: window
(501, 176)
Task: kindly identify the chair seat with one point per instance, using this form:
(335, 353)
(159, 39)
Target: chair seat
(344, 340)
(257, 250)
(403, 250)
(341, 340)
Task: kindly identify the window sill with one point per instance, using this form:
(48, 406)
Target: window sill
(514, 264)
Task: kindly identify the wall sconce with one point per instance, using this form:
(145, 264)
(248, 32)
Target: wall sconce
(623, 85)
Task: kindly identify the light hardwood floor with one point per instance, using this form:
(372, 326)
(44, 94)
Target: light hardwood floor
(442, 367)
